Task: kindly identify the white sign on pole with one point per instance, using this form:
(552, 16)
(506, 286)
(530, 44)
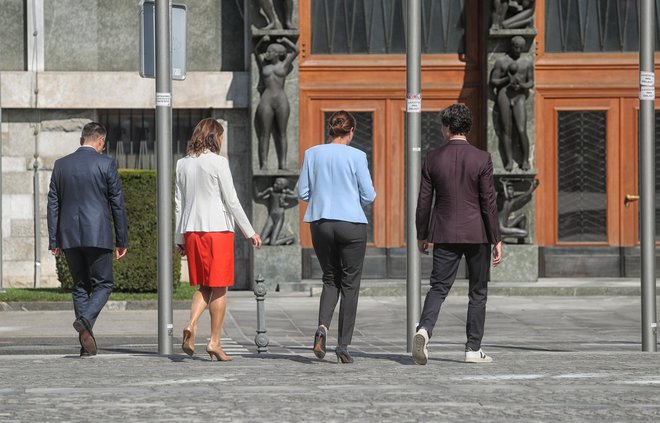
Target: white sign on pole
(414, 103)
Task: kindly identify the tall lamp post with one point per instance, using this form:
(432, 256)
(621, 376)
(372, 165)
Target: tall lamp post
(413, 163)
(164, 173)
(647, 171)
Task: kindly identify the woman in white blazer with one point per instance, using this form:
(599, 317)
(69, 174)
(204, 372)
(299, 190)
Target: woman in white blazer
(206, 207)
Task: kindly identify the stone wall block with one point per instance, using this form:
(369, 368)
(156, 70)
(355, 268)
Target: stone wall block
(12, 164)
(16, 182)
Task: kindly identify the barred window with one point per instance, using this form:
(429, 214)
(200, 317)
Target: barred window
(583, 26)
(582, 176)
(379, 26)
(131, 138)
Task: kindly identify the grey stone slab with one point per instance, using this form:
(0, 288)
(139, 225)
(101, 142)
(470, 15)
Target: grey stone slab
(519, 264)
(277, 264)
(12, 35)
(579, 262)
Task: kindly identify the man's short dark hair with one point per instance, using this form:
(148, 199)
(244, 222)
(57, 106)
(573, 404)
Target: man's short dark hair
(457, 118)
(93, 130)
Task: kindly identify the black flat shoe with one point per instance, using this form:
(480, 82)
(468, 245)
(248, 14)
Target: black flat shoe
(319, 343)
(342, 355)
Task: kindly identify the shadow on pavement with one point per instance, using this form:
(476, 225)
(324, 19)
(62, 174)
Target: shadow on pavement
(538, 349)
(295, 358)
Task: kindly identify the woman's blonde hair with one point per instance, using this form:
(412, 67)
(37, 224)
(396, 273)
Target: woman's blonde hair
(206, 136)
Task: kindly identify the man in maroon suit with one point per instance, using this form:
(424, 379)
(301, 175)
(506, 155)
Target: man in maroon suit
(463, 221)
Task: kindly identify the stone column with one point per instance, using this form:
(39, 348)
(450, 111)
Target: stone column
(274, 139)
(511, 120)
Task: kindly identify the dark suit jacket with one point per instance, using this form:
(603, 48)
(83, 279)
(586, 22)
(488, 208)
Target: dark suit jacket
(465, 209)
(84, 190)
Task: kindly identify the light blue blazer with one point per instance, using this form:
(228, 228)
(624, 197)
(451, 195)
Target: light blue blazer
(336, 183)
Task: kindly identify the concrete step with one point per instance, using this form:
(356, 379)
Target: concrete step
(544, 286)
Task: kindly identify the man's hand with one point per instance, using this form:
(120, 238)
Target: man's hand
(56, 252)
(423, 246)
(497, 254)
(121, 252)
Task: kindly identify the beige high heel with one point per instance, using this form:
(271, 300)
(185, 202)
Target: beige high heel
(217, 353)
(188, 345)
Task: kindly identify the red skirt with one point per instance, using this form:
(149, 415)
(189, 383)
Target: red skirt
(210, 258)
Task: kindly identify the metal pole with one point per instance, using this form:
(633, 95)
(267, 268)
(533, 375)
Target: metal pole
(261, 339)
(413, 161)
(647, 171)
(37, 214)
(2, 290)
(164, 173)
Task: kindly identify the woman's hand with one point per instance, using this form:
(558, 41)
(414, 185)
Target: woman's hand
(181, 249)
(256, 241)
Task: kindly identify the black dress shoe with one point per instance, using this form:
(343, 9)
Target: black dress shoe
(85, 335)
(319, 343)
(84, 353)
(342, 354)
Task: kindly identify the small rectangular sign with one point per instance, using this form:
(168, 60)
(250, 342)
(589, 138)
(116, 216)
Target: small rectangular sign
(414, 103)
(163, 100)
(647, 93)
(646, 78)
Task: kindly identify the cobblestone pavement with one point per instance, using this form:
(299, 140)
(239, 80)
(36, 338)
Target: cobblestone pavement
(556, 359)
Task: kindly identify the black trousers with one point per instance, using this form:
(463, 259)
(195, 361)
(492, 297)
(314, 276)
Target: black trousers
(91, 269)
(446, 258)
(340, 248)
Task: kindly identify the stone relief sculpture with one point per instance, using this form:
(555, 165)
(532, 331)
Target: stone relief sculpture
(267, 10)
(272, 114)
(514, 226)
(277, 198)
(511, 79)
(509, 14)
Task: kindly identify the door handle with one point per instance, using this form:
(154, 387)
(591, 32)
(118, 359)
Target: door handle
(629, 199)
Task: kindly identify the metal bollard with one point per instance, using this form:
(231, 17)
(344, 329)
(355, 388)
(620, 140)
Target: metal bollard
(261, 340)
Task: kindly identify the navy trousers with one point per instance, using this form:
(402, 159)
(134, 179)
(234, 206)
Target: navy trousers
(91, 269)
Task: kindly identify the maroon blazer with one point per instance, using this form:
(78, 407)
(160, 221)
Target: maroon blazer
(465, 209)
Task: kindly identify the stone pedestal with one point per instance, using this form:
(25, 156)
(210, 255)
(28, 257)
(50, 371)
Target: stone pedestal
(279, 260)
(520, 263)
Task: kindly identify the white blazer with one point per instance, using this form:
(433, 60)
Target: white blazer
(205, 199)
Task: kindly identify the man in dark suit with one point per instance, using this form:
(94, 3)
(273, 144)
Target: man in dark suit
(462, 222)
(84, 190)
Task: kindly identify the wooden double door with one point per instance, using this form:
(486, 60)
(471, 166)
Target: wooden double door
(587, 156)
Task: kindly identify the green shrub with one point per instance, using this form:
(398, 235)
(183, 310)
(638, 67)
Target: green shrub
(138, 271)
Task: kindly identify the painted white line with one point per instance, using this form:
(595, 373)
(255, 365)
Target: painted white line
(582, 375)
(501, 377)
(182, 381)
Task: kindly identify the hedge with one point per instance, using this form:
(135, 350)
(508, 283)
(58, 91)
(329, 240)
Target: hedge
(138, 270)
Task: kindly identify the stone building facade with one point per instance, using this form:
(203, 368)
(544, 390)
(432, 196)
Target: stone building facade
(67, 62)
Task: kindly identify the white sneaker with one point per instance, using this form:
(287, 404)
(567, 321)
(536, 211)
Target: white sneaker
(477, 356)
(420, 353)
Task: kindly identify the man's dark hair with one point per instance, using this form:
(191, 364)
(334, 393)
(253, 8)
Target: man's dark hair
(93, 130)
(457, 118)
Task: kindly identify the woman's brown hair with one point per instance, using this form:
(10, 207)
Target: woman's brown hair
(206, 136)
(340, 124)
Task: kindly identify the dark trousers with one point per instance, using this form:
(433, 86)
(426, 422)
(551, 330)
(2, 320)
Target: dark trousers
(340, 248)
(446, 258)
(91, 269)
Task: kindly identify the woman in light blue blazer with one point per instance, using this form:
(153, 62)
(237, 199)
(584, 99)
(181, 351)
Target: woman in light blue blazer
(336, 183)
